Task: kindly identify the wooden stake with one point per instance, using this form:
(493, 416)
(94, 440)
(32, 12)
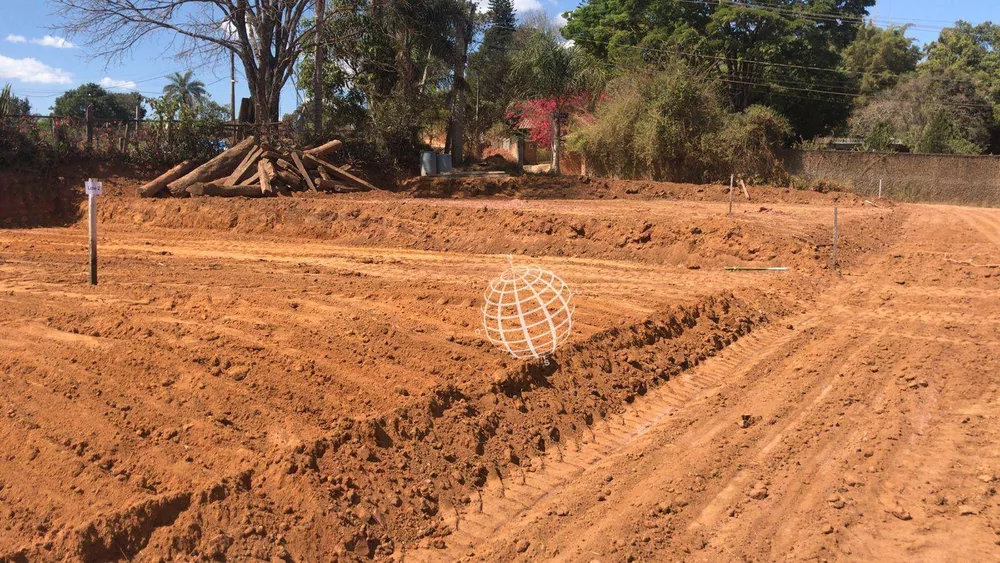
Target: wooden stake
(92, 190)
(834, 237)
(732, 178)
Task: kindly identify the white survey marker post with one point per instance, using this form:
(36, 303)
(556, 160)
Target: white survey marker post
(93, 188)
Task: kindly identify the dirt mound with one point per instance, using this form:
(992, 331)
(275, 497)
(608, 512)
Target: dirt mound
(534, 186)
(368, 486)
(622, 230)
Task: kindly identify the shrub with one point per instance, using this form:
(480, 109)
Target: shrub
(674, 125)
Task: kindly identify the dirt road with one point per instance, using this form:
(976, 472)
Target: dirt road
(864, 429)
(303, 380)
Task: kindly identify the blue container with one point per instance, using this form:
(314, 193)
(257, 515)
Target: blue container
(428, 164)
(443, 163)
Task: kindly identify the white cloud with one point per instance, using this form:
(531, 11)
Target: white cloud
(16, 38)
(561, 21)
(109, 82)
(51, 41)
(33, 71)
(522, 6)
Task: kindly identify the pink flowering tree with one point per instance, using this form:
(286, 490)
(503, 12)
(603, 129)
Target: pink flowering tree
(552, 80)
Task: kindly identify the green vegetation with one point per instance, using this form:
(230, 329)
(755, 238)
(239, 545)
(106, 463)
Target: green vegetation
(674, 124)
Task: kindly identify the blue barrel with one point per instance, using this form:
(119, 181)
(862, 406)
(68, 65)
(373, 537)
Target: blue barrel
(428, 164)
(443, 163)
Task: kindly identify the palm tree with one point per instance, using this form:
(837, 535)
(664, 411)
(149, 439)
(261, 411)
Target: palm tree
(183, 89)
(546, 68)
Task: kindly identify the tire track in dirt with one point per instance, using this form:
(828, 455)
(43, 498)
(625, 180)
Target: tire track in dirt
(872, 443)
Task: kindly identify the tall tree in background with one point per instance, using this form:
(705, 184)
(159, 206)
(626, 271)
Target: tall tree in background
(266, 35)
(973, 50)
(930, 111)
(781, 53)
(877, 58)
(387, 69)
(543, 68)
(489, 68)
(184, 89)
(107, 105)
(463, 34)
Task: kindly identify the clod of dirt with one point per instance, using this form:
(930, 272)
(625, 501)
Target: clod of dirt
(759, 491)
(901, 513)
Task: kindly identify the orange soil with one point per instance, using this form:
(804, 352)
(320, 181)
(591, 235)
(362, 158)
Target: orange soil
(302, 379)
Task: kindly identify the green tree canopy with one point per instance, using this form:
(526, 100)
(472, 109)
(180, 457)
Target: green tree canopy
(107, 105)
(781, 53)
(932, 111)
(878, 56)
(185, 89)
(973, 50)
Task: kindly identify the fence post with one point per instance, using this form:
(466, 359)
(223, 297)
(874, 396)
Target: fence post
(835, 233)
(90, 127)
(138, 123)
(55, 135)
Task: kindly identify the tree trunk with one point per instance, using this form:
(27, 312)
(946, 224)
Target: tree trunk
(318, 70)
(556, 144)
(458, 107)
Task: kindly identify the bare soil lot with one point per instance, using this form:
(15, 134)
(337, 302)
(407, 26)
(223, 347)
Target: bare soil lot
(302, 379)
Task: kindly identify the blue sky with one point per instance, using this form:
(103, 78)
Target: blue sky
(41, 63)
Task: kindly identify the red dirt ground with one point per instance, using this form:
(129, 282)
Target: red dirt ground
(302, 379)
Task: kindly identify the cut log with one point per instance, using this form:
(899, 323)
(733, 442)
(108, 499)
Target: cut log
(283, 164)
(249, 161)
(325, 149)
(221, 165)
(323, 174)
(291, 178)
(302, 170)
(154, 187)
(221, 190)
(338, 187)
(744, 186)
(341, 173)
(266, 170)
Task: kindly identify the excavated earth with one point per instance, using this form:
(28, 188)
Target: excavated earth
(303, 379)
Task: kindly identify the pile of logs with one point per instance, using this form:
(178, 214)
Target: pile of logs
(252, 169)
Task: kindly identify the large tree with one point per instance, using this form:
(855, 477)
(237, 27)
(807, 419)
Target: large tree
(558, 74)
(386, 69)
(782, 53)
(932, 111)
(973, 50)
(877, 58)
(107, 105)
(489, 69)
(266, 35)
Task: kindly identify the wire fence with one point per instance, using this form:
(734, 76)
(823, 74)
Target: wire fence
(30, 137)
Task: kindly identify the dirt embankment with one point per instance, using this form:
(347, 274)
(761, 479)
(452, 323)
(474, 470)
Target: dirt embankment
(32, 198)
(615, 230)
(576, 187)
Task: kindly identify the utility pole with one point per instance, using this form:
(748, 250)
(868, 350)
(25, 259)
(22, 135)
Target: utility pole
(232, 85)
(318, 69)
